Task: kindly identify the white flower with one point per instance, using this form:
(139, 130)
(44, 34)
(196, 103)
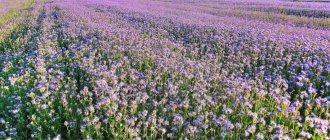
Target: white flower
(2, 121)
(58, 137)
(260, 136)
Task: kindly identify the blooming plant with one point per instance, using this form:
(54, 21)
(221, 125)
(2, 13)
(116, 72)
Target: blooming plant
(185, 69)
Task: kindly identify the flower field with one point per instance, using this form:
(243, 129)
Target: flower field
(164, 69)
